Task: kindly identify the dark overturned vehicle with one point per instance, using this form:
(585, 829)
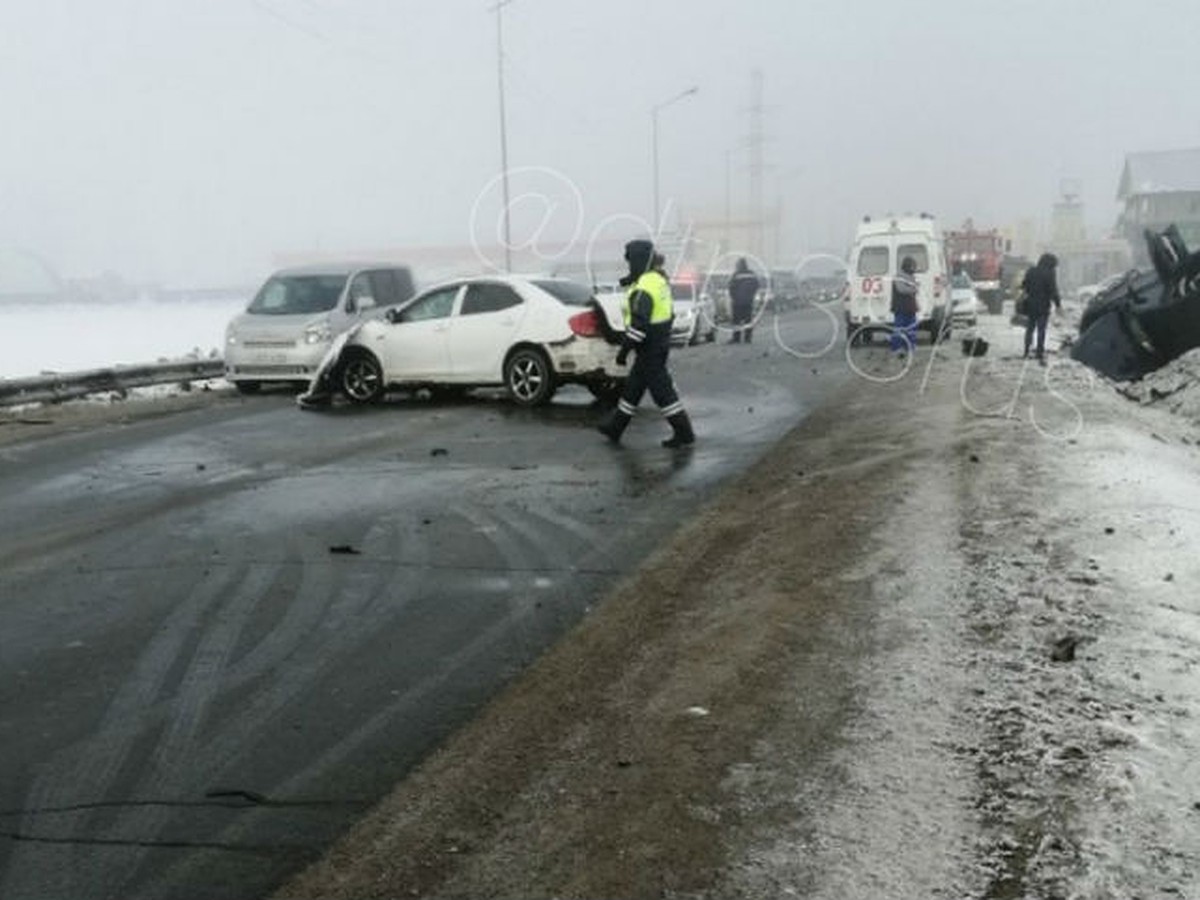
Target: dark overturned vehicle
(1146, 318)
(527, 335)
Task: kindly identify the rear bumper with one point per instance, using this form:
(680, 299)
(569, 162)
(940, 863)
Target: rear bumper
(585, 359)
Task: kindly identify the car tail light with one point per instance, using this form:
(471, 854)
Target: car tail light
(586, 323)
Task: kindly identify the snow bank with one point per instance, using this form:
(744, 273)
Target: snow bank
(1175, 387)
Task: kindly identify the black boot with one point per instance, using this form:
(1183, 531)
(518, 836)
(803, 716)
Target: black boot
(749, 335)
(682, 427)
(614, 426)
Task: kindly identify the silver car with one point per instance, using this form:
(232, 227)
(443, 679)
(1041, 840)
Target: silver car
(294, 317)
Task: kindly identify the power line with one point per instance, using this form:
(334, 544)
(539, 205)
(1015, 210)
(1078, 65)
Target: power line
(288, 21)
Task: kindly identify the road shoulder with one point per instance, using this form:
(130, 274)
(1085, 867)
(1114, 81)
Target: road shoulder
(842, 676)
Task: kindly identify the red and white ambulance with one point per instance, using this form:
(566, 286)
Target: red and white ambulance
(880, 245)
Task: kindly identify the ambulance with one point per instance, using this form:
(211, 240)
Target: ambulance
(880, 245)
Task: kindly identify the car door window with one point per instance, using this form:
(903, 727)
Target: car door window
(360, 294)
(486, 298)
(436, 305)
(383, 286)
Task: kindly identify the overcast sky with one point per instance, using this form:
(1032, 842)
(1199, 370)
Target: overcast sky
(193, 142)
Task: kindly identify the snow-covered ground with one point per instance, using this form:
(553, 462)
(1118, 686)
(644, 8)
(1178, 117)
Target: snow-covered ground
(70, 337)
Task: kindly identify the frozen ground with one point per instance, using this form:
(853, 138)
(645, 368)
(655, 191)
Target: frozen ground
(1174, 388)
(942, 642)
(72, 337)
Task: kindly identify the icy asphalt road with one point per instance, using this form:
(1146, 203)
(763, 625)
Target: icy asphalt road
(939, 642)
(225, 633)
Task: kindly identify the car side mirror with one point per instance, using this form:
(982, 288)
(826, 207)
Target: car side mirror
(393, 316)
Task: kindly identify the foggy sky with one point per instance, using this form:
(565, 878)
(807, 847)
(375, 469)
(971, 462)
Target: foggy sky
(192, 141)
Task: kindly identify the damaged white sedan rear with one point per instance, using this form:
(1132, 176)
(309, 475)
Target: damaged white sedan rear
(527, 335)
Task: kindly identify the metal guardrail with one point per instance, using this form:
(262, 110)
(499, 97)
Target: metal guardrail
(60, 386)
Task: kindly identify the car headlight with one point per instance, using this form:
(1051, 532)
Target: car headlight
(317, 334)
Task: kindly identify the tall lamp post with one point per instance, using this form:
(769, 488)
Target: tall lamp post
(781, 180)
(498, 9)
(654, 110)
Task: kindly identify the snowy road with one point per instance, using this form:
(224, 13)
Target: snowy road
(226, 633)
(940, 642)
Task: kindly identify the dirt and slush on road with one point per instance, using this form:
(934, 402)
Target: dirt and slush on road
(942, 641)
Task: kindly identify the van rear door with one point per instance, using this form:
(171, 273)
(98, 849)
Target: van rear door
(869, 298)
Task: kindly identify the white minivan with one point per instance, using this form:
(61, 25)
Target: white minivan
(296, 314)
(880, 245)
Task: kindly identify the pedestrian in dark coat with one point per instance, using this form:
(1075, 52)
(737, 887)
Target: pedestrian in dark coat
(1041, 290)
(904, 307)
(743, 288)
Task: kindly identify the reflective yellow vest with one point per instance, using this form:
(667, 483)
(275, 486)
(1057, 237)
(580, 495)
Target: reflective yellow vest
(663, 309)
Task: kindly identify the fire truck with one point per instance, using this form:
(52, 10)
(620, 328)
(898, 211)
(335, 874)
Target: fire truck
(980, 255)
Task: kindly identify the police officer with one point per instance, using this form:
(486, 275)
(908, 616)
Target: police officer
(648, 309)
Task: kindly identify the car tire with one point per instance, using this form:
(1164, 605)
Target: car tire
(360, 378)
(528, 377)
(861, 336)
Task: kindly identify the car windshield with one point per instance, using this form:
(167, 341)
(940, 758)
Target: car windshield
(289, 295)
(681, 291)
(569, 292)
(960, 281)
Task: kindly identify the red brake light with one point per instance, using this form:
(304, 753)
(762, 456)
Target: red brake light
(585, 324)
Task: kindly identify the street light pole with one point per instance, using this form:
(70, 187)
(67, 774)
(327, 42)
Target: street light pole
(728, 200)
(654, 110)
(498, 10)
(780, 181)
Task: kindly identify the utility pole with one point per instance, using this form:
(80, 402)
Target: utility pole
(728, 200)
(498, 10)
(654, 141)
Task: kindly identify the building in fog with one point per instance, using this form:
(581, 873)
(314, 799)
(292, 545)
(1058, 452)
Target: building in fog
(1158, 189)
(1081, 260)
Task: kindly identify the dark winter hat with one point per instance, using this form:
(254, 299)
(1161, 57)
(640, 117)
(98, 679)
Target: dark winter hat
(639, 254)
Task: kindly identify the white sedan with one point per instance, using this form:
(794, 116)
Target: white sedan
(529, 335)
(695, 318)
